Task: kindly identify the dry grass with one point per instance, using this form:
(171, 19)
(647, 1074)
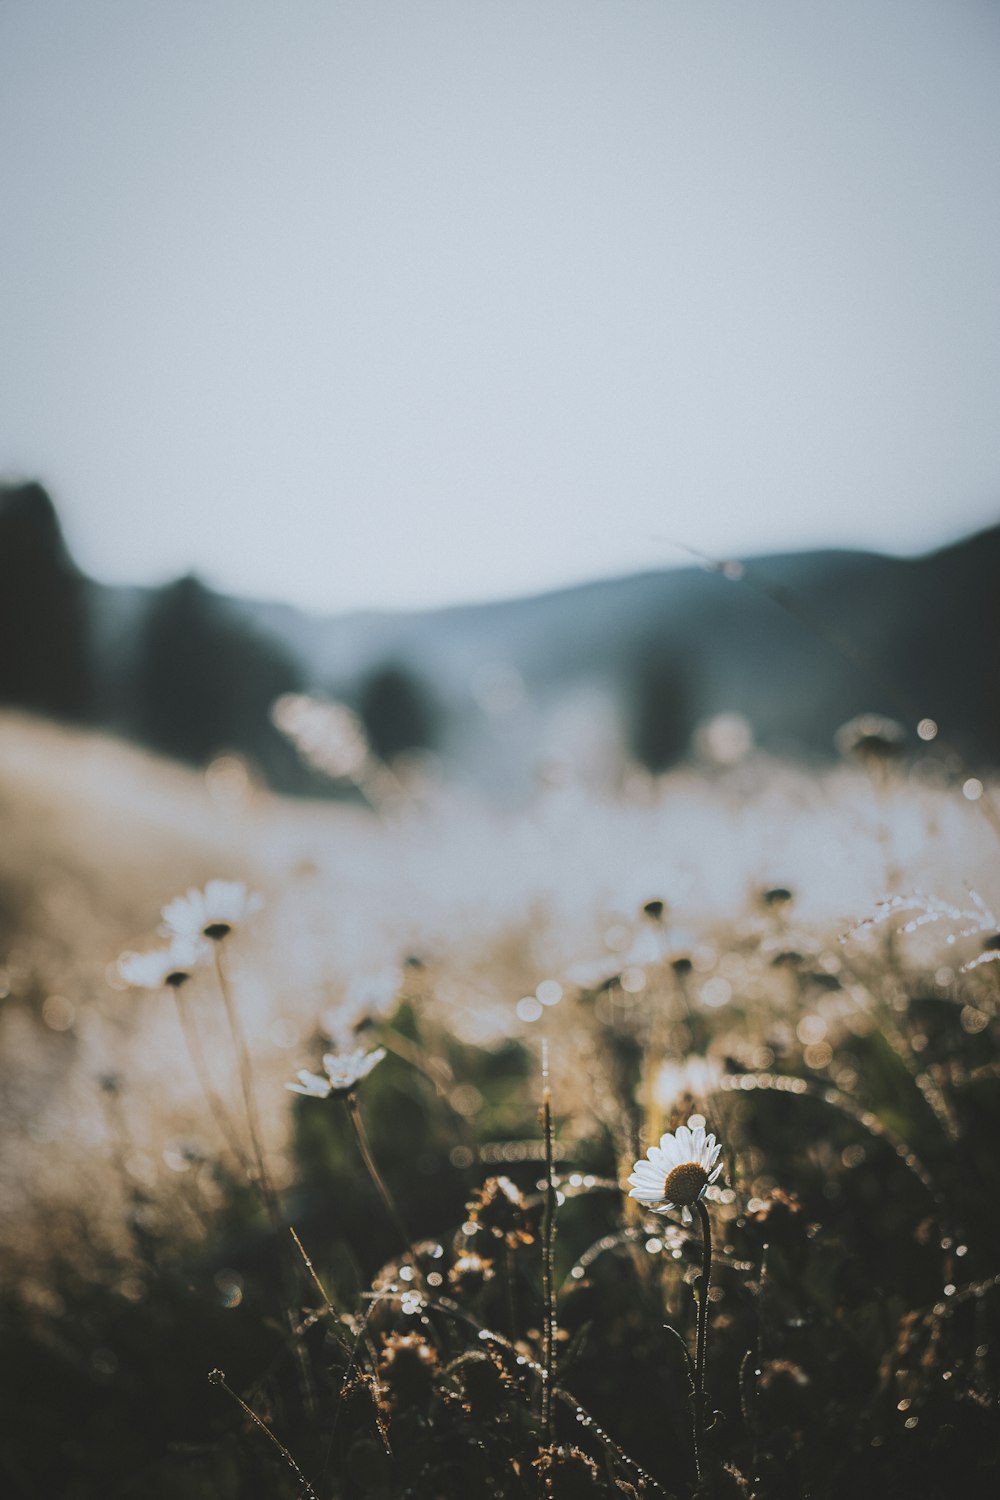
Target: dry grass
(434, 927)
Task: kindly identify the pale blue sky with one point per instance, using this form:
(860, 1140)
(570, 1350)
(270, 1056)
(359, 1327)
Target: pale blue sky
(404, 303)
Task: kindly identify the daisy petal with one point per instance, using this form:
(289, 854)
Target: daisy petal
(642, 1196)
(670, 1150)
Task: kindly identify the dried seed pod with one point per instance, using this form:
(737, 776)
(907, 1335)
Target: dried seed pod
(407, 1370)
(571, 1473)
(502, 1209)
(486, 1385)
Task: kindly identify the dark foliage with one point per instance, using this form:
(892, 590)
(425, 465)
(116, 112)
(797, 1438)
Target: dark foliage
(662, 710)
(855, 1317)
(398, 712)
(205, 681)
(45, 662)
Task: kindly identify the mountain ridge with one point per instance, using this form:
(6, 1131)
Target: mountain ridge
(795, 643)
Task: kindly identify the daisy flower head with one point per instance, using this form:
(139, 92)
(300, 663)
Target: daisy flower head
(212, 913)
(344, 1071)
(676, 1173)
(161, 968)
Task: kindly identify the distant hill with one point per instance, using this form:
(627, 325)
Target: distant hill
(795, 643)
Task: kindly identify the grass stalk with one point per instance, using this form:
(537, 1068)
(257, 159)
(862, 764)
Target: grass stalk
(704, 1286)
(247, 1090)
(199, 1062)
(217, 1377)
(548, 1237)
(381, 1187)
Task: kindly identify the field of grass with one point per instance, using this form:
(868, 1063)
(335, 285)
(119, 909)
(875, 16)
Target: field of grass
(471, 1304)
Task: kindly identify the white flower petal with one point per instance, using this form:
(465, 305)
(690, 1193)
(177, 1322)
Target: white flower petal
(144, 971)
(150, 971)
(651, 1190)
(315, 1083)
(647, 1164)
(643, 1196)
(222, 901)
(346, 1069)
(670, 1151)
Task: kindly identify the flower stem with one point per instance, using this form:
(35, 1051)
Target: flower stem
(246, 1086)
(197, 1055)
(548, 1235)
(509, 1291)
(361, 1136)
(702, 1351)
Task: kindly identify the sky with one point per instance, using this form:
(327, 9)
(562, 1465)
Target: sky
(366, 304)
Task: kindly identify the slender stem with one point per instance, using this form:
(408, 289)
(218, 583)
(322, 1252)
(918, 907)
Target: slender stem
(703, 1290)
(246, 1086)
(509, 1296)
(361, 1136)
(218, 1378)
(259, 1176)
(548, 1235)
(314, 1274)
(689, 1370)
(763, 1287)
(197, 1055)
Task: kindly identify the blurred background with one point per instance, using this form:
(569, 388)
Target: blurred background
(421, 357)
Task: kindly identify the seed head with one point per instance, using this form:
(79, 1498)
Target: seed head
(501, 1208)
(685, 1184)
(407, 1370)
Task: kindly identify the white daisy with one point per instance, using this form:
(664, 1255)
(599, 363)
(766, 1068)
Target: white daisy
(676, 1173)
(170, 967)
(212, 913)
(344, 1071)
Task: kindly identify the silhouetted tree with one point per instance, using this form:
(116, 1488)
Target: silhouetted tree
(398, 712)
(44, 616)
(207, 680)
(661, 711)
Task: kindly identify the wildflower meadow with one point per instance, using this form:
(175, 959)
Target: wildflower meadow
(635, 1144)
(499, 750)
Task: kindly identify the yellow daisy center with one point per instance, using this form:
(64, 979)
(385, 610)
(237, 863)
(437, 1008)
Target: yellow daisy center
(685, 1184)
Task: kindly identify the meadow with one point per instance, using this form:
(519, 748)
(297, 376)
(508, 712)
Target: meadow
(422, 1274)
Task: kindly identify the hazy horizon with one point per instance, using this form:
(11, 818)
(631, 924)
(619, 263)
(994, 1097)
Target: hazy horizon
(367, 306)
(663, 555)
